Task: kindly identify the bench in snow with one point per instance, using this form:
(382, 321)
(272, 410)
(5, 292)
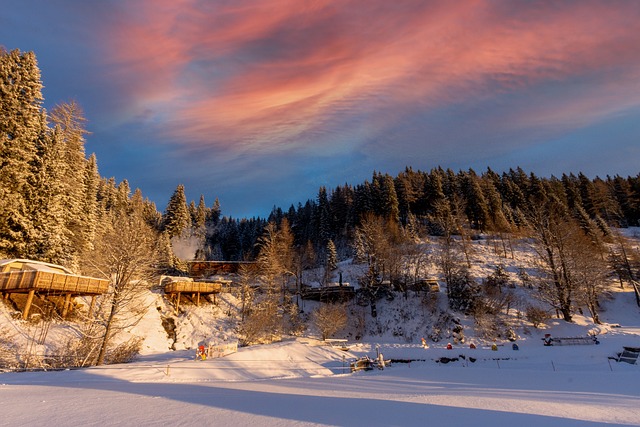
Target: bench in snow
(629, 355)
(572, 341)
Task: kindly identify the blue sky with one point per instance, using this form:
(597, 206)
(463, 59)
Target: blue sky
(258, 103)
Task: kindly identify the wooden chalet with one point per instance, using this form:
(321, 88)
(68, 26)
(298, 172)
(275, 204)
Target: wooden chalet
(30, 277)
(200, 269)
(332, 293)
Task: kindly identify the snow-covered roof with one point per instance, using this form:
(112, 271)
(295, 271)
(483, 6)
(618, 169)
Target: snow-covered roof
(27, 264)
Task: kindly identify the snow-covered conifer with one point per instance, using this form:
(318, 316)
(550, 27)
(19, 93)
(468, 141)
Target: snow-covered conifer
(22, 123)
(176, 217)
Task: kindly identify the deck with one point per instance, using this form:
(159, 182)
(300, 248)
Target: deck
(176, 289)
(54, 284)
(18, 276)
(188, 287)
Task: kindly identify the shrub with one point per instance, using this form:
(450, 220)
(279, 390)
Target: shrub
(536, 315)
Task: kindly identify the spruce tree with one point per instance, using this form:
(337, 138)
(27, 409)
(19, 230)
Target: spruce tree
(22, 124)
(476, 205)
(332, 256)
(88, 221)
(201, 213)
(69, 122)
(50, 239)
(389, 207)
(322, 217)
(213, 214)
(176, 217)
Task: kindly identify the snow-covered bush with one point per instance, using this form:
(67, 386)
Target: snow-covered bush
(536, 315)
(9, 358)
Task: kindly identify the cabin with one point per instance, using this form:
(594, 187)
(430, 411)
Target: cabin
(426, 285)
(22, 276)
(201, 269)
(331, 293)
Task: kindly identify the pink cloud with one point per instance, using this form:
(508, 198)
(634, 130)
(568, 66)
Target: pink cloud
(267, 75)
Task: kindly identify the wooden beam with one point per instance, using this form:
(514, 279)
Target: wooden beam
(92, 305)
(25, 313)
(65, 307)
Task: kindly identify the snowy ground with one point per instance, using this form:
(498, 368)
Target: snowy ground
(302, 381)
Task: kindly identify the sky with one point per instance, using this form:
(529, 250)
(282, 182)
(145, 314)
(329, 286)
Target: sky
(259, 103)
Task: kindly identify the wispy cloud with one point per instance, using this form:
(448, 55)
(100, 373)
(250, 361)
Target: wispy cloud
(272, 75)
(284, 90)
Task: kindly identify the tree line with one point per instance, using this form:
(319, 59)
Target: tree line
(417, 201)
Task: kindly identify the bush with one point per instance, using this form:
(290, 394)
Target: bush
(463, 292)
(536, 315)
(82, 352)
(125, 352)
(9, 358)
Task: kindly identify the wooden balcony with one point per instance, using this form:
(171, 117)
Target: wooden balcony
(31, 277)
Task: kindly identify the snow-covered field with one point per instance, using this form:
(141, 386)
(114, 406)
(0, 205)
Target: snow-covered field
(303, 381)
(298, 382)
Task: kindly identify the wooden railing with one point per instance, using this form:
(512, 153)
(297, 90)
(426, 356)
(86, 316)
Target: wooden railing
(192, 287)
(43, 281)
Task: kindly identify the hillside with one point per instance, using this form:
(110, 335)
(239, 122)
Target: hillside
(403, 319)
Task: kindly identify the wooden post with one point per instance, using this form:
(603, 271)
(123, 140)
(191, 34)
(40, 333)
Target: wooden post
(65, 307)
(92, 305)
(178, 303)
(25, 313)
(198, 300)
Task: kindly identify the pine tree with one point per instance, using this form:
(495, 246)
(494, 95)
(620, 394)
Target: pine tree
(359, 248)
(192, 213)
(201, 213)
(213, 215)
(89, 218)
(332, 256)
(22, 124)
(476, 205)
(176, 217)
(69, 122)
(388, 199)
(49, 240)
(322, 217)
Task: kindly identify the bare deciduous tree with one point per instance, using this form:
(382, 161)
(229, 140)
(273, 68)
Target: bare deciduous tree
(126, 250)
(572, 263)
(329, 319)
(270, 313)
